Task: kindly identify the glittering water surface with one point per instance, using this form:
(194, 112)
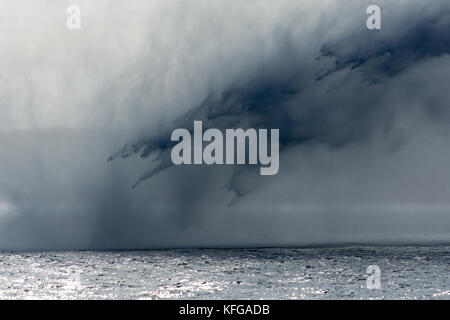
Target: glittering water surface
(314, 273)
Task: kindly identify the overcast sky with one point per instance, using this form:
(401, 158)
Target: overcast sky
(363, 118)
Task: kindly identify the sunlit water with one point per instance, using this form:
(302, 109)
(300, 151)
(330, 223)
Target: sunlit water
(314, 273)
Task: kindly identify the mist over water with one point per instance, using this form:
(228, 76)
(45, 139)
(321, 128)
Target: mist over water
(363, 122)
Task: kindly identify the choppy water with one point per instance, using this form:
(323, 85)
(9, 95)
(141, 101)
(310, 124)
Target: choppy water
(313, 273)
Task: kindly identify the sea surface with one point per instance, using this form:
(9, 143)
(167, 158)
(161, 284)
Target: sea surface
(279, 273)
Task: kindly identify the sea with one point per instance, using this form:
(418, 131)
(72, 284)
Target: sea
(404, 272)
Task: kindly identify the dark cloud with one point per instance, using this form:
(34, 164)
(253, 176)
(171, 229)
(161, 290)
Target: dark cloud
(391, 51)
(278, 94)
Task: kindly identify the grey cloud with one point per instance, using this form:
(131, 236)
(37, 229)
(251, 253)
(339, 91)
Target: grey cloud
(278, 94)
(363, 128)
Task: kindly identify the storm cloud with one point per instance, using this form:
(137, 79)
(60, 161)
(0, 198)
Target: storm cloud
(87, 117)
